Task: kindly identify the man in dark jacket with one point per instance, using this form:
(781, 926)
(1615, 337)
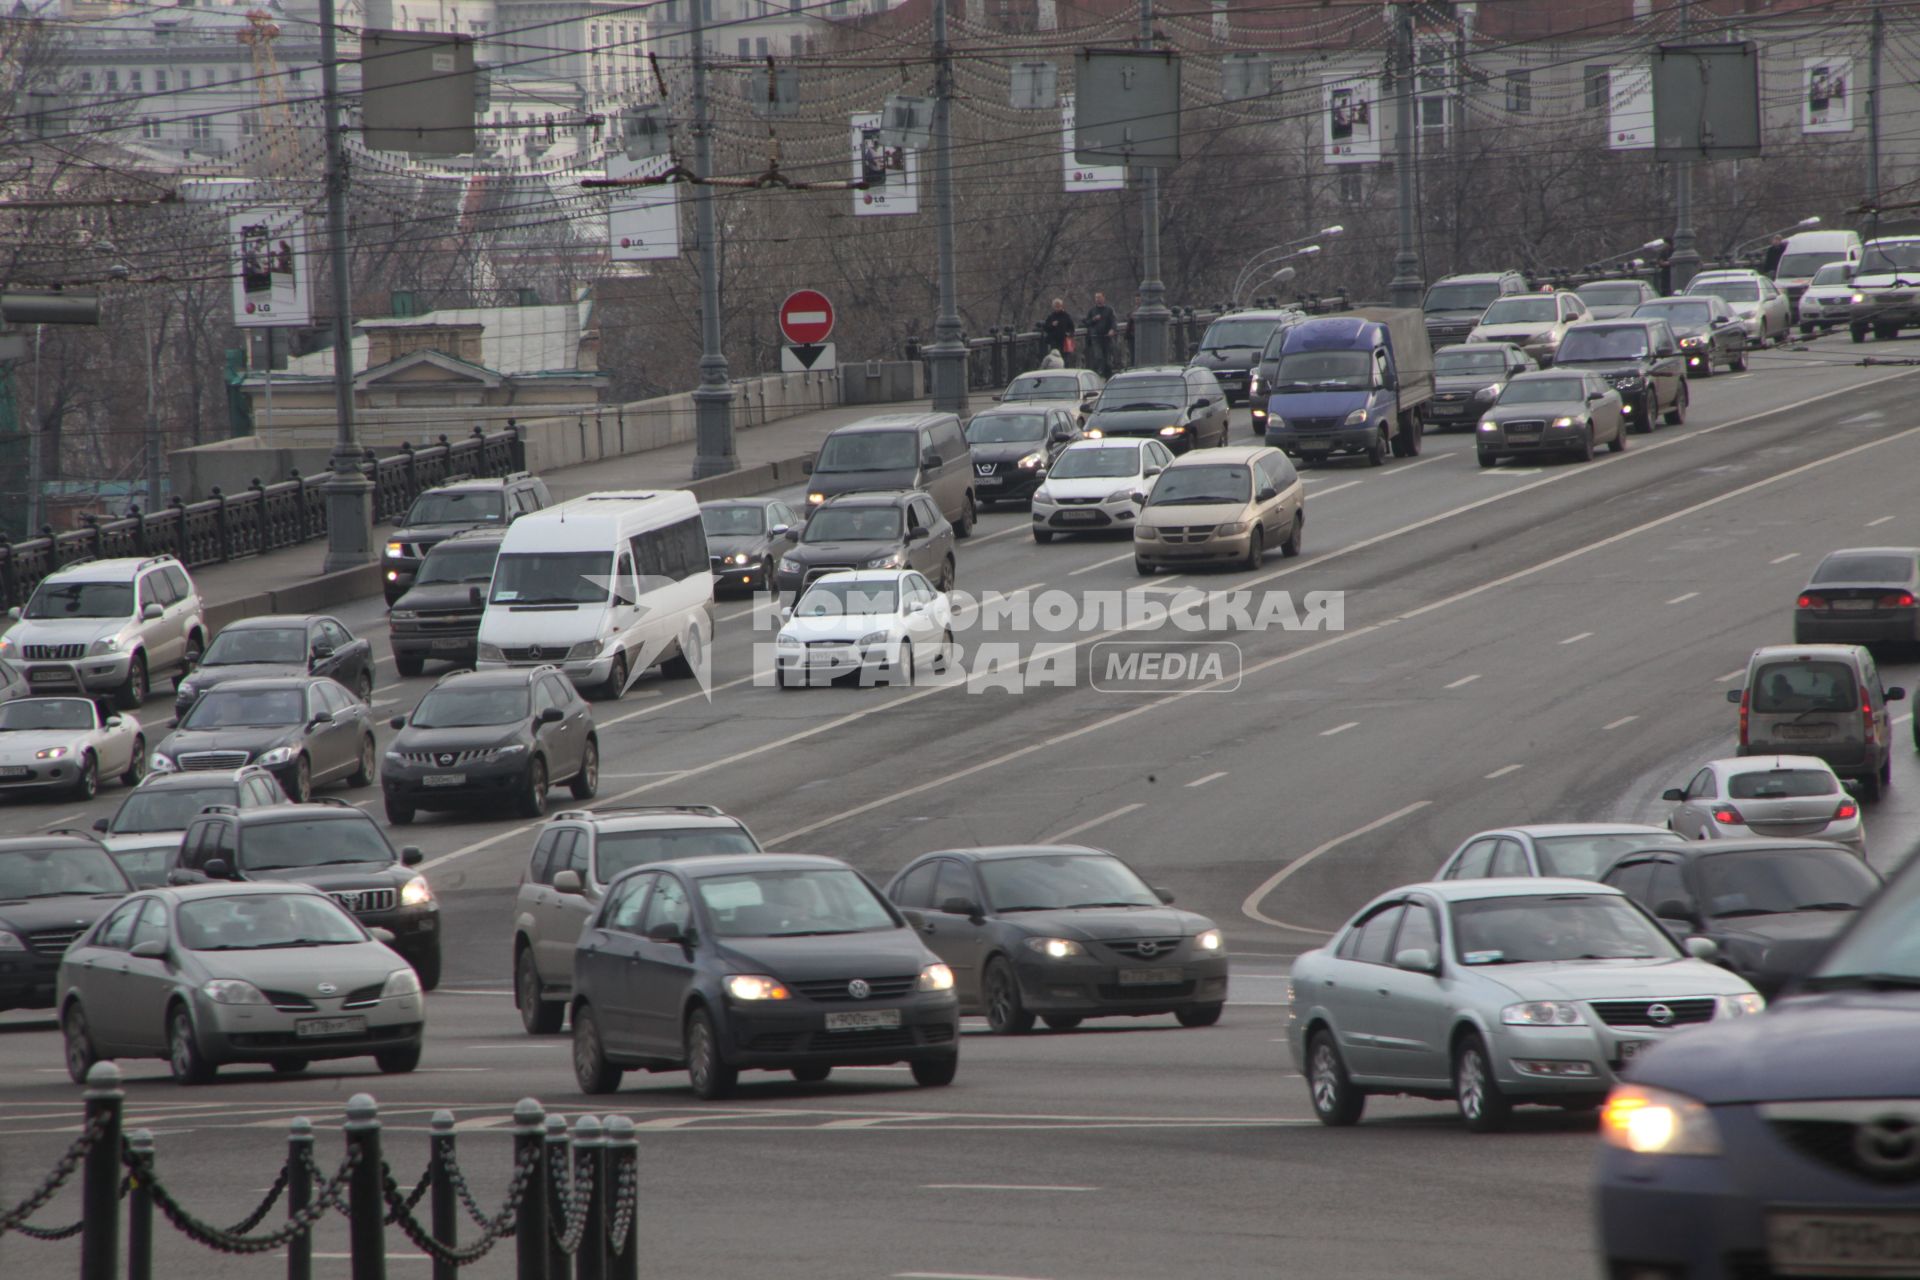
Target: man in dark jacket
(1771, 262)
(1058, 328)
(1101, 327)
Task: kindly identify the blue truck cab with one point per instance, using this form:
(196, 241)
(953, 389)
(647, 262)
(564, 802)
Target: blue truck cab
(1357, 383)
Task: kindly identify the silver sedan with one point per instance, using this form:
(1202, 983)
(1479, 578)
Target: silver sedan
(1737, 799)
(1494, 993)
(203, 975)
(1562, 412)
(67, 745)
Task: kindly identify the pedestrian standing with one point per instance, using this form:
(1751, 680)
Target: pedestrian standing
(1102, 324)
(1058, 329)
(1771, 263)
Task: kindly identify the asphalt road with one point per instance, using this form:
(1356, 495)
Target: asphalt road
(1523, 644)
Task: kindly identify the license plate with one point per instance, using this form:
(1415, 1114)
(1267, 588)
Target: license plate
(1316, 446)
(306, 1028)
(451, 642)
(1853, 604)
(1806, 732)
(1631, 1049)
(865, 1020)
(1078, 517)
(991, 479)
(1844, 1244)
(444, 780)
(1448, 410)
(1150, 977)
(16, 771)
(43, 674)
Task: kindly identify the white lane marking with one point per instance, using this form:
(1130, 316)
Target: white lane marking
(1099, 564)
(1503, 771)
(1212, 777)
(385, 702)
(1251, 907)
(998, 1186)
(61, 822)
(1577, 639)
(1903, 719)
(1734, 674)
(1791, 555)
(1462, 682)
(1340, 728)
(957, 1275)
(1873, 524)
(1091, 823)
(470, 991)
(1317, 494)
(1683, 599)
(649, 773)
(1008, 532)
(1617, 723)
(1510, 471)
(1404, 467)
(670, 702)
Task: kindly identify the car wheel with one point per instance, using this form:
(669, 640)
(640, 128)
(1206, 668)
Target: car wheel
(426, 967)
(408, 664)
(949, 574)
(1142, 568)
(1482, 1105)
(904, 665)
(78, 1044)
(1870, 787)
(963, 527)
(1336, 1101)
(183, 1050)
(586, 782)
(540, 1017)
(533, 801)
(811, 1075)
(591, 1070)
(1678, 414)
(191, 659)
(398, 1062)
(136, 767)
(290, 1066)
(616, 686)
(1806, 331)
(1061, 1021)
(931, 1073)
(1488, 459)
(1291, 544)
(1377, 451)
(712, 1078)
(1886, 774)
(1585, 452)
(1619, 442)
(1706, 367)
(362, 776)
(1739, 362)
(399, 812)
(1199, 1015)
(943, 661)
(1885, 332)
(363, 687)
(300, 789)
(1858, 332)
(1042, 536)
(86, 784)
(1007, 1014)
(132, 693)
(1256, 549)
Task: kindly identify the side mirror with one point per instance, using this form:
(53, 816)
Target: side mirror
(806, 468)
(930, 459)
(1165, 896)
(1702, 948)
(321, 651)
(1203, 402)
(397, 722)
(1139, 497)
(14, 612)
(786, 613)
(1673, 793)
(151, 612)
(411, 856)
(112, 721)
(551, 715)
(918, 606)
(791, 534)
(381, 935)
(1895, 693)
(667, 931)
(961, 907)
(173, 722)
(779, 531)
(1151, 472)
(149, 951)
(99, 824)
(568, 881)
(919, 535)
(1266, 495)
(475, 596)
(1415, 960)
(1193, 349)
(1060, 435)
(217, 869)
(1595, 395)
(1733, 696)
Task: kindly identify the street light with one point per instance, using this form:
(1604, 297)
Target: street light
(1744, 245)
(1266, 258)
(1250, 283)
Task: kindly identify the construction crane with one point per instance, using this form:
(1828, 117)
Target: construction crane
(276, 122)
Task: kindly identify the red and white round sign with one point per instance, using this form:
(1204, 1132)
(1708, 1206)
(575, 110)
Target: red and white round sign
(806, 317)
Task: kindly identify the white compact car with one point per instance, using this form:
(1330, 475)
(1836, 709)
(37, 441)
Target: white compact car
(883, 622)
(1785, 796)
(67, 745)
(1828, 302)
(1094, 485)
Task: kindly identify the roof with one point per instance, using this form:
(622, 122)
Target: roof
(737, 863)
(509, 676)
(483, 534)
(479, 482)
(1108, 442)
(862, 575)
(651, 817)
(1476, 277)
(196, 777)
(1537, 830)
(62, 838)
(1543, 375)
(227, 888)
(1806, 651)
(1871, 551)
(1001, 852)
(1632, 280)
(1477, 346)
(1707, 848)
(714, 503)
(1229, 454)
(252, 683)
(327, 810)
(1158, 370)
(1767, 764)
(514, 340)
(106, 570)
(1515, 887)
(890, 422)
(273, 620)
(870, 497)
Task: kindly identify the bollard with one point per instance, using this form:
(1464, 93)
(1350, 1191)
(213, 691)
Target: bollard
(300, 1195)
(556, 1158)
(446, 1225)
(530, 1237)
(366, 1203)
(590, 1142)
(623, 1247)
(139, 1210)
(100, 1178)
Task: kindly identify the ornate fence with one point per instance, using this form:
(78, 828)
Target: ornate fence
(263, 517)
(570, 1206)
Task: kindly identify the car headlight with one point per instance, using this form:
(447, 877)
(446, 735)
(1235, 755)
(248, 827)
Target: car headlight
(7, 647)
(12, 941)
(233, 991)
(1859, 297)
(936, 977)
(394, 757)
(1489, 425)
(1043, 494)
(1253, 383)
(1032, 460)
(277, 756)
(1357, 418)
(1544, 1013)
(1629, 382)
(815, 499)
(738, 557)
(396, 549)
(789, 565)
(893, 561)
(1146, 533)
(1545, 338)
(755, 986)
(1693, 342)
(873, 638)
(1095, 433)
(415, 893)
(1174, 430)
(1742, 1006)
(488, 652)
(401, 982)
(1056, 948)
(507, 752)
(1230, 530)
(159, 763)
(1486, 393)
(1275, 422)
(1119, 495)
(583, 650)
(1658, 1122)
(50, 753)
(1208, 940)
(1563, 422)
(110, 644)
(401, 615)
(785, 641)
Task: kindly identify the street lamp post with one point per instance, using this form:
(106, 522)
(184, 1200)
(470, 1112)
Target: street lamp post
(713, 398)
(947, 353)
(1267, 256)
(349, 493)
(1252, 275)
(1151, 317)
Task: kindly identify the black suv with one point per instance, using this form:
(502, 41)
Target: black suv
(1454, 305)
(459, 504)
(883, 529)
(439, 615)
(335, 848)
(52, 889)
(1641, 360)
(1233, 347)
(280, 644)
(482, 737)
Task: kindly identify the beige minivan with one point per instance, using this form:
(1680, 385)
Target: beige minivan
(1822, 700)
(1229, 504)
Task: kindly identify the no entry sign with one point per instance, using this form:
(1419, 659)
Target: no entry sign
(806, 317)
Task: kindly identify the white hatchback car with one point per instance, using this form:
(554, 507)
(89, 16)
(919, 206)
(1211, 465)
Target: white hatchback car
(1828, 302)
(1785, 796)
(66, 745)
(880, 623)
(1094, 485)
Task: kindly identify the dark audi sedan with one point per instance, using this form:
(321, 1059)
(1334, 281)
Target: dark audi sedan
(1866, 595)
(1062, 932)
(774, 962)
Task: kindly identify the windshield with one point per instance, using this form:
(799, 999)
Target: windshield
(458, 708)
(1732, 290)
(622, 850)
(1489, 360)
(733, 522)
(1620, 342)
(1193, 485)
(81, 600)
(1460, 297)
(455, 563)
(484, 506)
(26, 714)
(869, 451)
(1522, 311)
(1589, 857)
(313, 842)
(1782, 784)
(258, 921)
(1544, 391)
(1324, 371)
(1039, 386)
(1083, 464)
(257, 644)
(76, 870)
(1884, 943)
(1547, 928)
(247, 709)
(1800, 265)
(1143, 393)
(1764, 882)
(1794, 687)
(840, 599)
(553, 577)
(1893, 570)
(1237, 333)
(1890, 259)
(854, 524)
(1609, 295)
(786, 904)
(147, 868)
(1006, 428)
(1061, 881)
(169, 808)
(1833, 273)
(1700, 313)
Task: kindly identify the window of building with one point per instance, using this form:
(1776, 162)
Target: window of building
(160, 81)
(86, 82)
(149, 128)
(1599, 83)
(746, 48)
(1520, 92)
(113, 81)
(761, 46)
(1352, 189)
(135, 82)
(200, 129)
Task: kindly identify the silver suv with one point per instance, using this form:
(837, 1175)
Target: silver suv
(109, 627)
(578, 853)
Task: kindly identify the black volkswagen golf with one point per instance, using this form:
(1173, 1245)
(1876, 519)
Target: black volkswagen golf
(773, 962)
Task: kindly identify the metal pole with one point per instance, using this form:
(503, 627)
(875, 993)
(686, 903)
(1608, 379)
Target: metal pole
(100, 1177)
(1407, 285)
(713, 398)
(446, 1221)
(1876, 38)
(946, 355)
(300, 1195)
(623, 1254)
(589, 1138)
(269, 421)
(140, 1212)
(36, 462)
(366, 1205)
(349, 493)
(1685, 256)
(557, 1159)
(530, 1238)
(152, 441)
(1150, 319)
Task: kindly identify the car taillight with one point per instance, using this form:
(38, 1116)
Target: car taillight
(1813, 602)
(1866, 719)
(1847, 809)
(1897, 600)
(1743, 719)
(1727, 816)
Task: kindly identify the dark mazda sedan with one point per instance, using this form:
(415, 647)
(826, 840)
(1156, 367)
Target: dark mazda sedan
(775, 962)
(52, 888)
(1062, 932)
(1864, 595)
